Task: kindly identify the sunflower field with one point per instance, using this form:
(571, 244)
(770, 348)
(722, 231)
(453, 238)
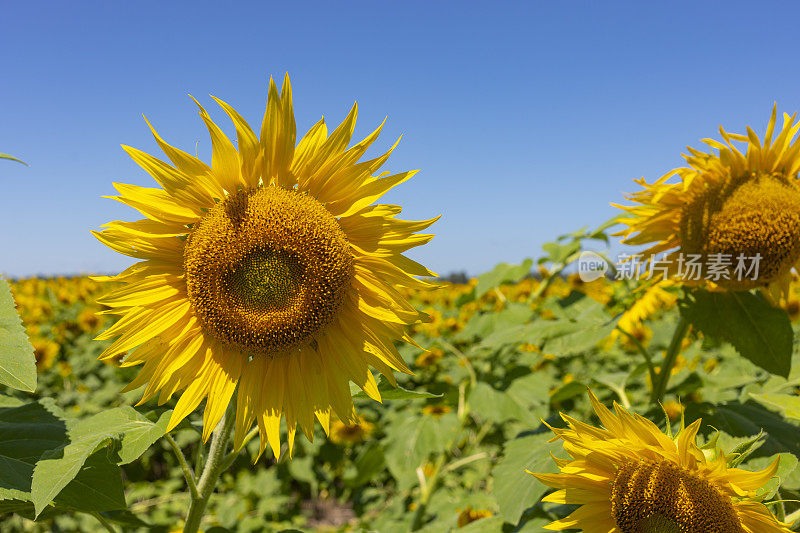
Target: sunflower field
(566, 393)
(506, 351)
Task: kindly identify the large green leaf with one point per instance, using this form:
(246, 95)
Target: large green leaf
(43, 428)
(17, 362)
(59, 466)
(760, 332)
(514, 489)
(502, 273)
(96, 486)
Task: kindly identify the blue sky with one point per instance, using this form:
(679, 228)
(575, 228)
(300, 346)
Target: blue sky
(526, 118)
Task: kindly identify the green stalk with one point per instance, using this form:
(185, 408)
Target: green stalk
(660, 386)
(187, 470)
(106, 524)
(211, 471)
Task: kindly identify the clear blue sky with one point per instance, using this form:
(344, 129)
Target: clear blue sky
(526, 118)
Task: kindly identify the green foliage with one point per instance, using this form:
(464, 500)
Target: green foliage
(515, 489)
(506, 353)
(65, 464)
(17, 363)
(758, 331)
(502, 273)
(95, 444)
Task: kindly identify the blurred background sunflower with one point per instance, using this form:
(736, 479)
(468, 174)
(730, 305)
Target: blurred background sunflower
(271, 270)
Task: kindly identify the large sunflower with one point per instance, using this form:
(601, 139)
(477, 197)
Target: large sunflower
(726, 205)
(632, 478)
(271, 270)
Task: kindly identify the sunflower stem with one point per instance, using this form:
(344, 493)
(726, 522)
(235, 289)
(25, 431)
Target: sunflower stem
(231, 457)
(187, 470)
(780, 510)
(660, 386)
(642, 350)
(106, 524)
(211, 471)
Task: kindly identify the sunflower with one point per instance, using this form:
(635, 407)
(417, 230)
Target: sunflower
(271, 270)
(353, 433)
(632, 478)
(45, 352)
(468, 515)
(732, 222)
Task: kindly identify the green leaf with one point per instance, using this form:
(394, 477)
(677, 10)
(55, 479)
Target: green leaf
(502, 273)
(787, 404)
(12, 158)
(137, 440)
(389, 392)
(568, 391)
(302, 469)
(581, 324)
(759, 332)
(59, 466)
(96, 487)
(514, 489)
(560, 253)
(748, 419)
(413, 440)
(369, 464)
(44, 429)
(499, 406)
(483, 325)
(17, 362)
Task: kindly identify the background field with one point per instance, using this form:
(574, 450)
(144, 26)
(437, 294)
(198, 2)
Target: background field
(506, 351)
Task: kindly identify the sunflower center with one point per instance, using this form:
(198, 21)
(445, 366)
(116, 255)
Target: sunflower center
(267, 269)
(754, 216)
(268, 279)
(661, 497)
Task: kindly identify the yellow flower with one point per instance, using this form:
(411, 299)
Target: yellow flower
(726, 205)
(89, 321)
(641, 333)
(469, 515)
(64, 369)
(436, 411)
(45, 352)
(271, 269)
(429, 358)
(792, 307)
(599, 290)
(351, 433)
(631, 478)
(654, 298)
